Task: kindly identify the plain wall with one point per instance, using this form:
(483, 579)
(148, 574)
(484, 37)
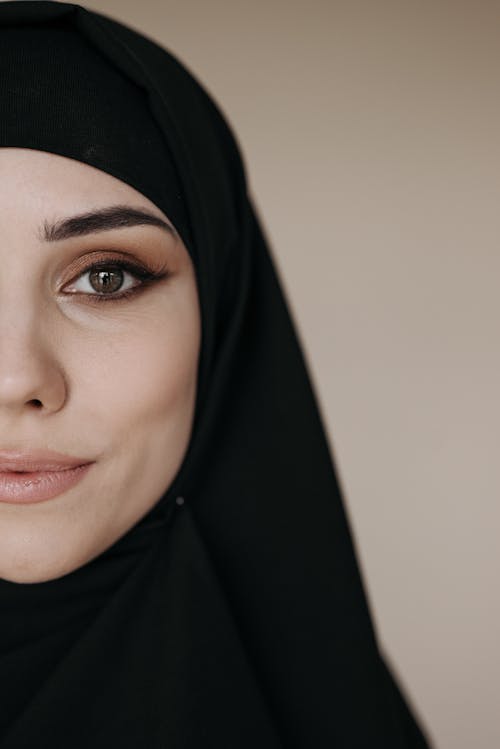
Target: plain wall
(371, 134)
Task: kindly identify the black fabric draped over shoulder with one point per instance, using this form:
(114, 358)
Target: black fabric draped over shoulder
(234, 617)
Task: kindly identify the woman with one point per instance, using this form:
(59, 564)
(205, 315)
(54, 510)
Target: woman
(177, 570)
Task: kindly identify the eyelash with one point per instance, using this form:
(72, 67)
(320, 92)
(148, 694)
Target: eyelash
(146, 276)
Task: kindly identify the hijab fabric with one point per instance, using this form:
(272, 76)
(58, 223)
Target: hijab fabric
(233, 614)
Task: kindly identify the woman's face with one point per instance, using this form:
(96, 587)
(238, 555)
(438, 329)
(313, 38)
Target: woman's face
(87, 370)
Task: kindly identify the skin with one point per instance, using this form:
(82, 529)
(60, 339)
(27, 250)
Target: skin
(113, 382)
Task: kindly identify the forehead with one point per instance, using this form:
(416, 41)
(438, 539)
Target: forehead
(37, 183)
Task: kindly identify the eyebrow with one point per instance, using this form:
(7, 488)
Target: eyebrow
(103, 219)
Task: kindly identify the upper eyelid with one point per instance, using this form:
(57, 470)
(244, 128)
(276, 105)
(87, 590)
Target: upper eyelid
(105, 256)
(125, 264)
(127, 267)
(97, 258)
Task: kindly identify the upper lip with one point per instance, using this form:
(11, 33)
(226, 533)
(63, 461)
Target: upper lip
(38, 460)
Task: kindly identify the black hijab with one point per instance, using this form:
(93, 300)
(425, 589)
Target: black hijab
(233, 614)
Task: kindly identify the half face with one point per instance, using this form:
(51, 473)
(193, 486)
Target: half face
(99, 344)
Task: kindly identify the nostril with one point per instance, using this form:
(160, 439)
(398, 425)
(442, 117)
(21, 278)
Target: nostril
(36, 403)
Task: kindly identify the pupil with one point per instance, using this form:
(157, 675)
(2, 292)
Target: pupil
(106, 280)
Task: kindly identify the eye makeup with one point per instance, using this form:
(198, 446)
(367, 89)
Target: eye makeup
(103, 265)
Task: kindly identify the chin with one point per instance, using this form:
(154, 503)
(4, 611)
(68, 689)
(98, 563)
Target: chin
(31, 565)
(27, 571)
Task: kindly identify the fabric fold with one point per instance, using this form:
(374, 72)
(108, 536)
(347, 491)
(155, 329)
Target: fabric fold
(169, 616)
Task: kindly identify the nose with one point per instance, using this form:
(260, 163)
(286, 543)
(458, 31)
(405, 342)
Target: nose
(31, 376)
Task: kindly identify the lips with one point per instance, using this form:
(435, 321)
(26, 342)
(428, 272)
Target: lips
(38, 475)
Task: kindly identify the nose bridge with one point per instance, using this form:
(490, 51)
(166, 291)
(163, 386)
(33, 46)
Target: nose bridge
(30, 372)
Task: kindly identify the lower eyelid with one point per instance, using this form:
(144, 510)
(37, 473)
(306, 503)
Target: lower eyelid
(97, 299)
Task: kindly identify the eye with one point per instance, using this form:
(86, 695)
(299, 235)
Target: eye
(103, 279)
(109, 280)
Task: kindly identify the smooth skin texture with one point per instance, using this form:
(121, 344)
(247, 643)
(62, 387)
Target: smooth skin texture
(111, 381)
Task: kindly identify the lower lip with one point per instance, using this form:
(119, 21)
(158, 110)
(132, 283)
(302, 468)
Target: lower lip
(37, 486)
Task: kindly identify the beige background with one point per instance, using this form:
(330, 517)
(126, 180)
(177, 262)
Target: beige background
(371, 131)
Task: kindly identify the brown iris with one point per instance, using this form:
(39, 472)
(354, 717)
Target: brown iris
(106, 280)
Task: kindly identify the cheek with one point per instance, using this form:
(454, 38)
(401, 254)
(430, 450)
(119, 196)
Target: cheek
(131, 396)
(140, 375)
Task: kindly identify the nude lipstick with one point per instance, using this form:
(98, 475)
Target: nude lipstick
(37, 475)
